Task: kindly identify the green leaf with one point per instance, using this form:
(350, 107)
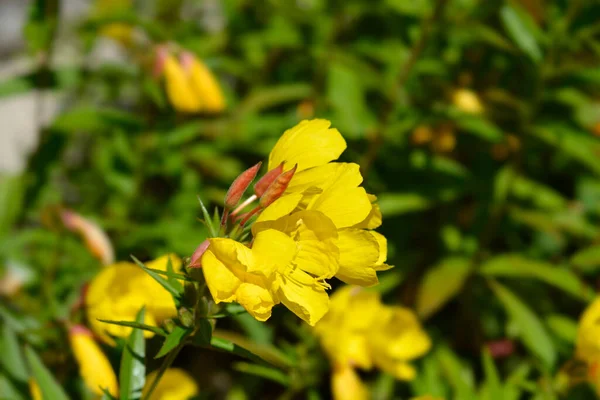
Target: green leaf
(132, 375)
(177, 294)
(203, 334)
(531, 331)
(393, 204)
(131, 324)
(175, 338)
(12, 360)
(458, 375)
(564, 327)
(517, 266)
(492, 379)
(587, 260)
(477, 126)
(94, 119)
(48, 386)
(214, 232)
(230, 347)
(172, 279)
(263, 371)
(441, 284)
(521, 29)
(11, 195)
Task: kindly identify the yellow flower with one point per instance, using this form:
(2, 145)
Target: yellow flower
(34, 390)
(179, 90)
(332, 189)
(360, 331)
(588, 333)
(120, 290)
(94, 367)
(120, 32)
(175, 384)
(467, 101)
(346, 384)
(191, 86)
(276, 269)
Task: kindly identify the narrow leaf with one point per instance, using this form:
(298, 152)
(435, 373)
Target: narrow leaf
(441, 284)
(531, 331)
(563, 327)
(132, 375)
(12, 360)
(520, 31)
(48, 386)
(176, 337)
(131, 324)
(263, 371)
(492, 378)
(208, 220)
(587, 260)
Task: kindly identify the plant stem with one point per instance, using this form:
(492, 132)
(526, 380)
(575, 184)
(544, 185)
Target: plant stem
(164, 366)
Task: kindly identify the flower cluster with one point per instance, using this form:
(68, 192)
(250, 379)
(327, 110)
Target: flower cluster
(360, 331)
(313, 222)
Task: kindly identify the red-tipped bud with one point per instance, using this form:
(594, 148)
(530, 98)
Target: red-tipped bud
(239, 186)
(276, 189)
(162, 52)
(263, 183)
(196, 260)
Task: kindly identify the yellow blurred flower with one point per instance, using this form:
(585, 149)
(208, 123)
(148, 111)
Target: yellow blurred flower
(466, 100)
(94, 367)
(359, 331)
(120, 32)
(120, 290)
(320, 227)
(191, 87)
(588, 333)
(175, 384)
(34, 390)
(346, 384)
(94, 237)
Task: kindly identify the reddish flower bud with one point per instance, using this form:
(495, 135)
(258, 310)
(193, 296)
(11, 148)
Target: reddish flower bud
(186, 59)
(239, 186)
(276, 189)
(162, 52)
(196, 260)
(263, 183)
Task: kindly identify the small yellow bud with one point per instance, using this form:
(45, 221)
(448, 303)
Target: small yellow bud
(181, 95)
(204, 84)
(466, 100)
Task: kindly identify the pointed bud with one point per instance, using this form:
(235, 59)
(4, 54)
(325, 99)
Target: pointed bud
(276, 189)
(239, 186)
(263, 183)
(94, 237)
(161, 54)
(186, 59)
(196, 260)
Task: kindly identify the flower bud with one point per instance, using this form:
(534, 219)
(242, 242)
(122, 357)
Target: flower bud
(180, 94)
(169, 325)
(196, 260)
(186, 317)
(94, 367)
(239, 186)
(263, 183)
(276, 189)
(95, 238)
(161, 54)
(204, 83)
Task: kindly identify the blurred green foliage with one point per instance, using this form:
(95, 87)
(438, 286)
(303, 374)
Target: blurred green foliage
(491, 200)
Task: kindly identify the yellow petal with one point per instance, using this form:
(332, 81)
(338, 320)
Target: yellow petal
(300, 293)
(236, 256)
(374, 218)
(588, 333)
(221, 282)
(319, 177)
(279, 208)
(178, 86)
(175, 384)
(256, 300)
(272, 250)
(162, 262)
(359, 251)
(34, 390)
(308, 144)
(94, 367)
(342, 202)
(346, 384)
(207, 87)
(382, 243)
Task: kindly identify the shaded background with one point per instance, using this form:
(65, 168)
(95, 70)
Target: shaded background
(475, 122)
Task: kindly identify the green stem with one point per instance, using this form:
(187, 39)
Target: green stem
(164, 366)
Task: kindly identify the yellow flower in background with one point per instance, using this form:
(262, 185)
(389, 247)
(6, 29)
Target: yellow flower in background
(120, 32)
(120, 290)
(179, 91)
(94, 367)
(359, 331)
(467, 100)
(346, 384)
(191, 87)
(175, 384)
(588, 333)
(34, 390)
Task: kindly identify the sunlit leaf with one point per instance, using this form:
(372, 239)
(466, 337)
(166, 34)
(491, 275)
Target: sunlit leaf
(132, 374)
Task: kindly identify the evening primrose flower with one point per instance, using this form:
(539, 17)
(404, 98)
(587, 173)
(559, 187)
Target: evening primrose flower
(94, 367)
(120, 290)
(314, 222)
(359, 331)
(175, 384)
(587, 348)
